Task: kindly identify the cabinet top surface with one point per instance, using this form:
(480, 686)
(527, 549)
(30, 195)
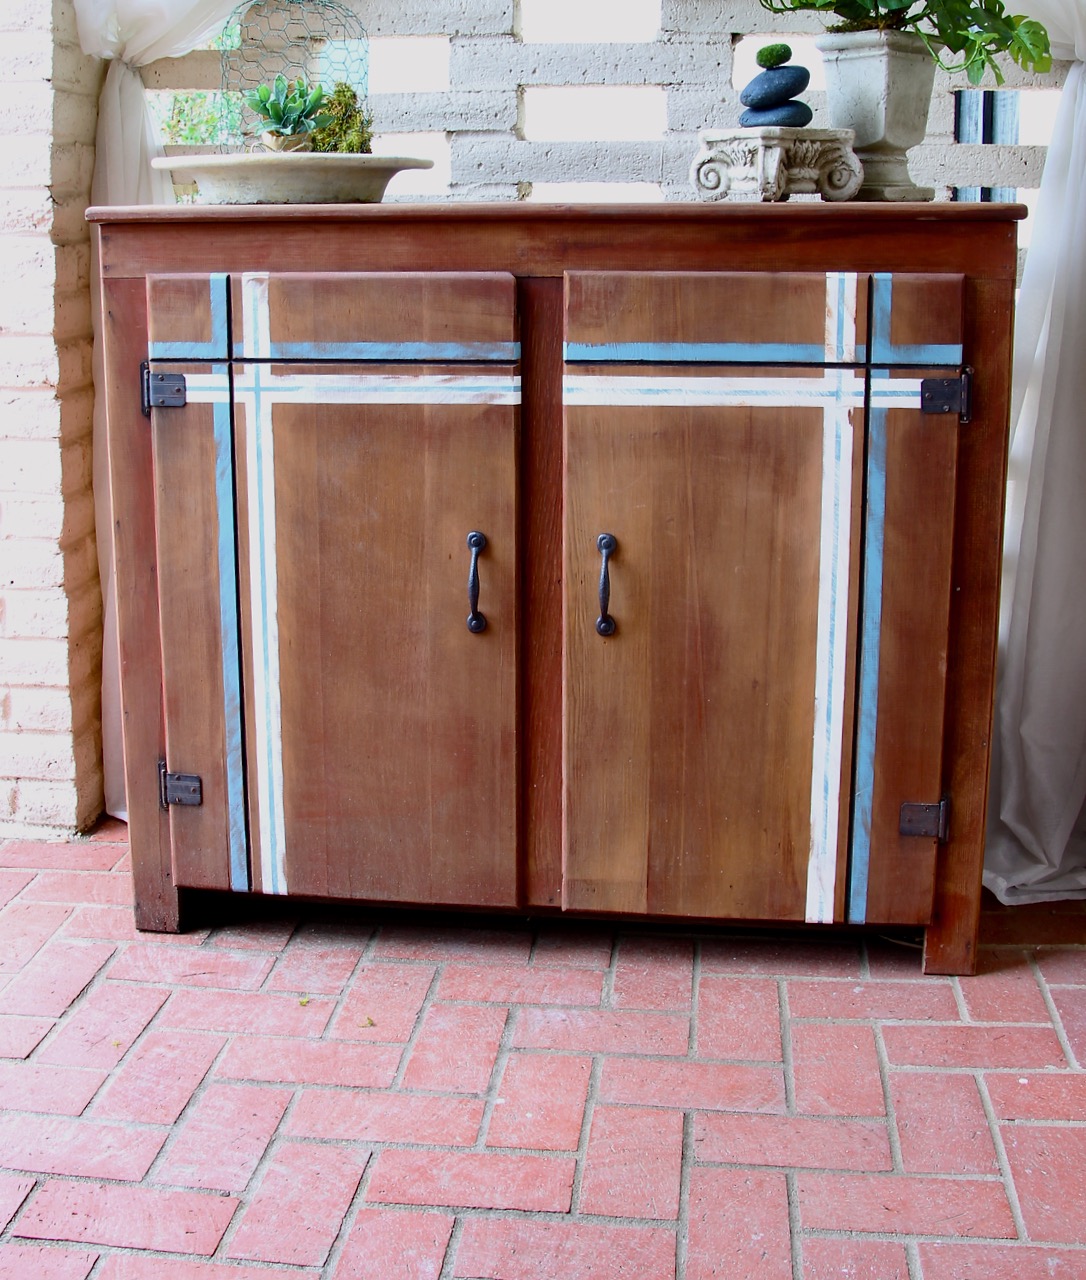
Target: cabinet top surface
(516, 212)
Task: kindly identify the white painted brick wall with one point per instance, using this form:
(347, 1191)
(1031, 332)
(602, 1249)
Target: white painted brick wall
(50, 603)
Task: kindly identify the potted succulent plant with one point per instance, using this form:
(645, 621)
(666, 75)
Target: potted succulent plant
(880, 58)
(292, 111)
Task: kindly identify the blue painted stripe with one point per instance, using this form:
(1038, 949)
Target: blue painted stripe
(883, 350)
(870, 644)
(387, 352)
(695, 353)
(202, 351)
(231, 660)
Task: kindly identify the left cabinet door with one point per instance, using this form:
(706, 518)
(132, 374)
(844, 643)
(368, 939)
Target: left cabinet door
(374, 425)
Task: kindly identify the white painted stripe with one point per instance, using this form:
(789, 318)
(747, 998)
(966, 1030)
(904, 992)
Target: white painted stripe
(841, 291)
(255, 316)
(752, 392)
(362, 388)
(895, 393)
(832, 646)
(268, 763)
(207, 388)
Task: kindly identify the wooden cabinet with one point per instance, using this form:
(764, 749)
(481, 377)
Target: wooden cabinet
(611, 561)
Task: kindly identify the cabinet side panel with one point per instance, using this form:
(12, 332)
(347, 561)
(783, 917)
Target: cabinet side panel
(950, 940)
(136, 586)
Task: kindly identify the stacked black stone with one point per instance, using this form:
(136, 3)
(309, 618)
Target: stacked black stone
(768, 97)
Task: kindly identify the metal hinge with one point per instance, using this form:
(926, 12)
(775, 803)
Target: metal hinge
(948, 395)
(930, 820)
(160, 390)
(178, 788)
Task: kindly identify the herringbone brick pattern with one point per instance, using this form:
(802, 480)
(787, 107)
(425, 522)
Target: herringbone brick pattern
(373, 1100)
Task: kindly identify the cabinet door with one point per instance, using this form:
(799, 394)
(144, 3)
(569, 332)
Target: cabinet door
(382, 731)
(711, 740)
(374, 428)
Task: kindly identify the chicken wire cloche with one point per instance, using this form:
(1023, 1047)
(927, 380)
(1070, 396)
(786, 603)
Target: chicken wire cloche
(318, 43)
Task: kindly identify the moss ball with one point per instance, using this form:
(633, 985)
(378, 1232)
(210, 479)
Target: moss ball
(773, 55)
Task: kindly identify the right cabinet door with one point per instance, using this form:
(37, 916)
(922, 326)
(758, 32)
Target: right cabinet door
(757, 537)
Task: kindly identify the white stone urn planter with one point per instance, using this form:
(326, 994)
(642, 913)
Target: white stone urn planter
(878, 84)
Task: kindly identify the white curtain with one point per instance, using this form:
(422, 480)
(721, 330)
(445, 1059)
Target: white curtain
(130, 33)
(1036, 847)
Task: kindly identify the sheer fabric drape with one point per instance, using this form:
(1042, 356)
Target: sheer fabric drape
(129, 33)
(1037, 824)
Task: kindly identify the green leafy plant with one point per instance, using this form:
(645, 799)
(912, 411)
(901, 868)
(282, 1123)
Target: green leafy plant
(961, 35)
(289, 106)
(350, 128)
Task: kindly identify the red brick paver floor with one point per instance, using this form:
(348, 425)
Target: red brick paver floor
(371, 1099)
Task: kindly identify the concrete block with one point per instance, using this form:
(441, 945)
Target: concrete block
(77, 72)
(471, 111)
(74, 365)
(739, 17)
(72, 266)
(85, 608)
(72, 317)
(75, 119)
(73, 169)
(439, 17)
(481, 64)
(967, 165)
(77, 414)
(70, 217)
(570, 161)
(80, 567)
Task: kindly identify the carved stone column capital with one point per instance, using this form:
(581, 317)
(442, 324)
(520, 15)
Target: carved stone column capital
(773, 163)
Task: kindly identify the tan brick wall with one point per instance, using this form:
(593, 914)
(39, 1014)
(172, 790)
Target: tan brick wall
(50, 603)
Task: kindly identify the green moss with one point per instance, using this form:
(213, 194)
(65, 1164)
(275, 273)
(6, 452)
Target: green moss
(773, 55)
(351, 128)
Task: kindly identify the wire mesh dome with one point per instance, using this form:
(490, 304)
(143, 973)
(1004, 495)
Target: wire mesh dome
(321, 41)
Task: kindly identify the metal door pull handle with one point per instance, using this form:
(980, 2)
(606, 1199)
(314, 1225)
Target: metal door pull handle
(605, 544)
(476, 621)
